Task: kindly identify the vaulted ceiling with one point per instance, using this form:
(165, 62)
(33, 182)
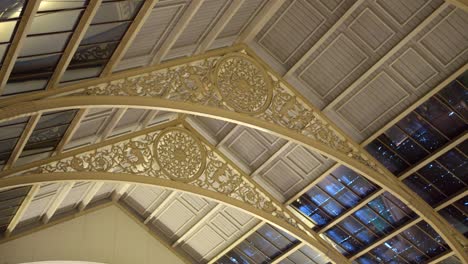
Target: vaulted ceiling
(390, 74)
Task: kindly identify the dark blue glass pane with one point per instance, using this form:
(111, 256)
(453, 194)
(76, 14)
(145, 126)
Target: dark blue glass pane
(317, 196)
(422, 132)
(385, 252)
(405, 250)
(424, 189)
(387, 157)
(391, 209)
(456, 218)
(372, 220)
(233, 258)
(441, 117)
(403, 145)
(338, 191)
(423, 241)
(252, 252)
(462, 205)
(344, 240)
(354, 181)
(332, 208)
(457, 97)
(368, 259)
(263, 245)
(359, 231)
(463, 147)
(431, 232)
(331, 186)
(441, 178)
(312, 211)
(457, 163)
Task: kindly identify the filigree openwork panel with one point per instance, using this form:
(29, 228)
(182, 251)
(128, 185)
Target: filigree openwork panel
(173, 154)
(240, 84)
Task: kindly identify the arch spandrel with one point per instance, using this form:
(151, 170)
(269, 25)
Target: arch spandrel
(221, 86)
(174, 157)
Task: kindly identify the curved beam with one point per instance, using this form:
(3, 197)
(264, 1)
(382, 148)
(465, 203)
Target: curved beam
(222, 87)
(174, 154)
(42, 178)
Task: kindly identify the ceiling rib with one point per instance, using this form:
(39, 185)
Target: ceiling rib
(119, 191)
(287, 253)
(384, 58)
(260, 20)
(462, 4)
(197, 225)
(313, 183)
(22, 209)
(416, 104)
(404, 227)
(74, 42)
(111, 124)
(57, 200)
(89, 195)
(161, 207)
(70, 130)
(176, 32)
(236, 242)
(129, 36)
(450, 145)
(442, 257)
(323, 38)
(20, 35)
(219, 26)
(15, 154)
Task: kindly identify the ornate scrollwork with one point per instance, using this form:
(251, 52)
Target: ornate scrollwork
(173, 154)
(238, 83)
(243, 83)
(180, 155)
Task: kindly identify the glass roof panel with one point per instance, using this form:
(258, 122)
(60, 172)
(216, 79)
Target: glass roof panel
(6, 30)
(47, 22)
(48, 5)
(117, 11)
(442, 117)
(457, 215)
(457, 163)
(11, 8)
(48, 133)
(42, 44)
(456, 95)
(419, 236)
(430, 193)
(105, 33)
(418, 128)
(386, 157)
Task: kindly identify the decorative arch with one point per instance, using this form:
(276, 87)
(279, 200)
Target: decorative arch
(175, 158)
(237, 87)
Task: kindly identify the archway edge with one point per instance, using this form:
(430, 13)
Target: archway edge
(74, 102)
(386, 181)
(41, 178)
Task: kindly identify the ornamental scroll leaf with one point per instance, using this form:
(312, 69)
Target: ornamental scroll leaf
(139, 156)
(237, 83)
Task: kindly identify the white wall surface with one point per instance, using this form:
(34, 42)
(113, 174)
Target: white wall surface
(107, 235)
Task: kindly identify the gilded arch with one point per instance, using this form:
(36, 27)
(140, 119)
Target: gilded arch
(165, 158)
(204, 86)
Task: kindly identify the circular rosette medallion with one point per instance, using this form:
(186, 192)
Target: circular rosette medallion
(243, 83)
(180, 155)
